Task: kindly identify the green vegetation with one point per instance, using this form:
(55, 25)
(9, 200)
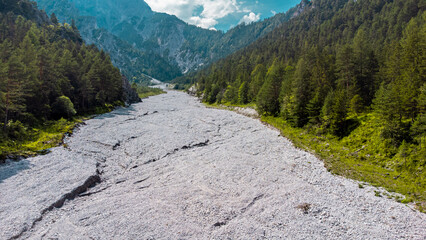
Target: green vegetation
(30, 140)
(47, 73)
(145, 92)
(344, 79)
(24, 141)
(364, 156)
(230, 106)
(63, 107)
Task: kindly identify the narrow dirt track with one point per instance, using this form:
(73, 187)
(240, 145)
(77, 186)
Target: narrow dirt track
(169, 168)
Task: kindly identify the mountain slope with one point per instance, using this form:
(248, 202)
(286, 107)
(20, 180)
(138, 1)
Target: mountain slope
(165, 46)
(133, 62)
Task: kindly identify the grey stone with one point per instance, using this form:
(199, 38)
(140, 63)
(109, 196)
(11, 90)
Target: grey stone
(210, 174)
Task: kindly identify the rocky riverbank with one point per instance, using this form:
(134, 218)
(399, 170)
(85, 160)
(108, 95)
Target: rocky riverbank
(170, 168)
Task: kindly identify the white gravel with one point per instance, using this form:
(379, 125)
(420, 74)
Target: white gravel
(172, 169)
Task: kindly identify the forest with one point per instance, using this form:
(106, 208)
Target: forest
(351, 73)
(48, 73)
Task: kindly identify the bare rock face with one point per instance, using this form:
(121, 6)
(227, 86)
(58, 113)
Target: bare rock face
(157, 44)
(169, 168)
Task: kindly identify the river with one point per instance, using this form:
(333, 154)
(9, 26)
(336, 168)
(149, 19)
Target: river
(170, 168)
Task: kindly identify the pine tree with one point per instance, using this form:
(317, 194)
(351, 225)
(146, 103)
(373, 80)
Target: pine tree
(112, 76)
(391, 70)
(257, 80)
(21, 28)
(5, 49)
(207, 92)
(54, 19)
(345, 67)
(388, 105)
(211, 94)
(268, 102)
(14, 88)
(356, 104)
(3, 84)
(322, 81)
(28, 54)
(334, 112)
(243, 93)
(286, 95)
(398, 100)
(340, 112)
(418, 129)
(74, 26)
(414, 65)
(366, 67)
(302, 90)
(327, 110)
(231, 94)
(85, 91)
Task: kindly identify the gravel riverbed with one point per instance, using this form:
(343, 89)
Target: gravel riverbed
(170, 168)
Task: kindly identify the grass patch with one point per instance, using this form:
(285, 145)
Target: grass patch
(229, 106)
(363, 155)
(145, 92)
(38, 140)
(27, 141)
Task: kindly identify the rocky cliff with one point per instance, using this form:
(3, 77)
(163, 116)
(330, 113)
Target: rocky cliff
(141, 41)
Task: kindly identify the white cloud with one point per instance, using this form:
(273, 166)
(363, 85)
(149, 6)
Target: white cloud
(203, 22)
(184, 9)
(273, 12)
(252, 17)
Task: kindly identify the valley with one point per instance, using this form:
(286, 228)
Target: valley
(170, 168)
(325, 137)
(143, 42)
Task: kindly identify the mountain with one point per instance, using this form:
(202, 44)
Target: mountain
(141, 41)
(344, 78)
(133, 63)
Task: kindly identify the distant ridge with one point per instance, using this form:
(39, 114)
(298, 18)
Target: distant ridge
(157, 44)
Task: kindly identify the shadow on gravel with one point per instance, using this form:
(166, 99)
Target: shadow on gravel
(123, 111)
(10, 169)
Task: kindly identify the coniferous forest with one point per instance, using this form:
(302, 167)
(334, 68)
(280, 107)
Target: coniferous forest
(48, 73)
(350, 73)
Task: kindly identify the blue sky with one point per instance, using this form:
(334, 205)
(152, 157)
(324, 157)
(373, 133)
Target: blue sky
(221, 14)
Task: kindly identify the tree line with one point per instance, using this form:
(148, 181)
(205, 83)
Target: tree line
(335, 61)
(47, 72)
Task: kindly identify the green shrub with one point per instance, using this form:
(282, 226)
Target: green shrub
(16, 130)
(356, 105)
(63, 107)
